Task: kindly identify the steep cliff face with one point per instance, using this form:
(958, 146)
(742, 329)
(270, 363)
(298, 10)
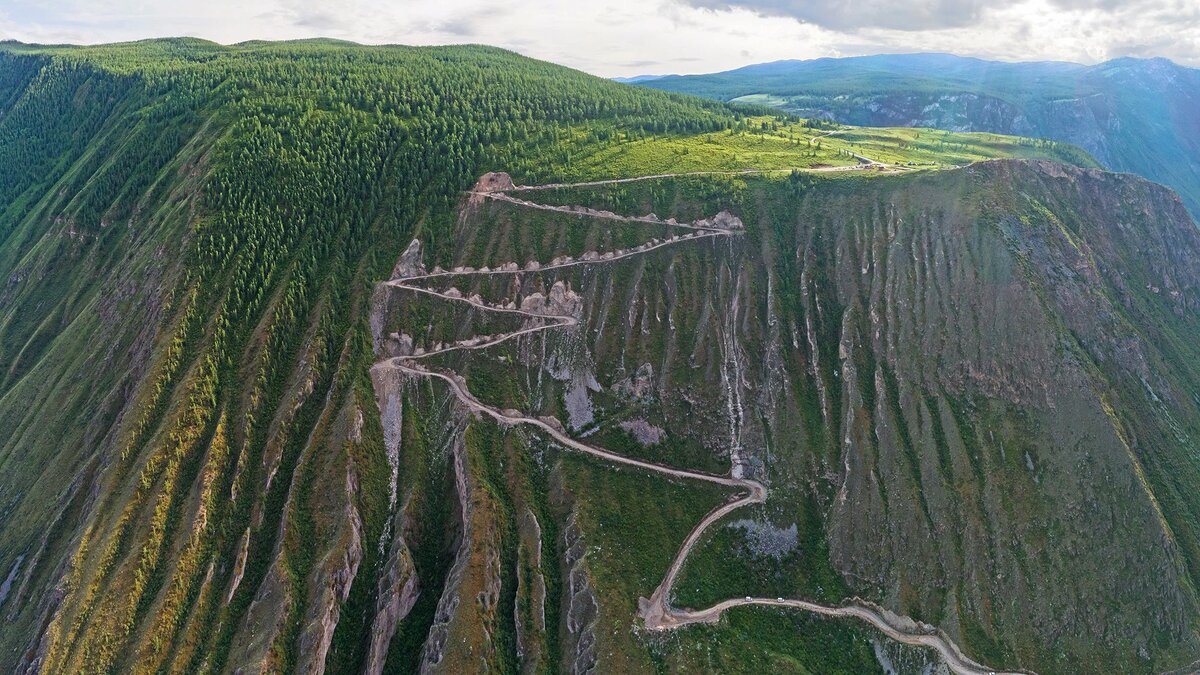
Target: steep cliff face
(986, 476)
(962, 389)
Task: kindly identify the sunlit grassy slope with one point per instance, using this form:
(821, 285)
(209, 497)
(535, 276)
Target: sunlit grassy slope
(770, 143)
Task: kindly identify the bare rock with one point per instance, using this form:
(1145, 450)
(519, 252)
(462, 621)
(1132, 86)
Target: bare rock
(582, 606)
(409, 264)
(722, 221)
(399, 588)
(639, 386)
(239, 565)
(328, 591)
(530, 611)
(397, 344)
(647, 434)
(8, 581)
(563, 300)
(533, 303)
(494, 181)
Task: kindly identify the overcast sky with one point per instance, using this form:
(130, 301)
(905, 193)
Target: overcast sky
(629, 37)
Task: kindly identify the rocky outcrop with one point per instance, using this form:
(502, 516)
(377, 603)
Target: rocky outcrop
(724, 220)
(494, 181)
(639, 386)
(581, 606)
(397, 592)
(239, 565)
(396, 344)
(6, 585)
(559, 301)
(410, 263)
(571, 362)
(434, 649)
(644, 432)
(530, 610)
(330, 586)
(264, 622)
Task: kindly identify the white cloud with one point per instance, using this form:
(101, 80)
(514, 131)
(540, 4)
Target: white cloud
(625, 37)
(1074, 30)
(909, 15)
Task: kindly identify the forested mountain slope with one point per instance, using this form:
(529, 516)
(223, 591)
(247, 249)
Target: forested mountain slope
(279, 391)
(1135, 115)
(189, 239)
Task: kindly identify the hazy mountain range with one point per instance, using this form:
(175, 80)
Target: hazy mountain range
(1135, 115)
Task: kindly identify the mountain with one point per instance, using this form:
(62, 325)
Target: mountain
(317, 357)
(189, 238)
(639, 78)
(1136, 115)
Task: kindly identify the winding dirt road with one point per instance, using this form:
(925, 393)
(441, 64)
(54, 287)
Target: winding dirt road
(656, 611)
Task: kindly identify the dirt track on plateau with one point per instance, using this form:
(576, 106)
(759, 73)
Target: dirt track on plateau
(864, 163)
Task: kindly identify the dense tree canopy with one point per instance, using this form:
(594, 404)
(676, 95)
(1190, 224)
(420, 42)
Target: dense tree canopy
(300, 169)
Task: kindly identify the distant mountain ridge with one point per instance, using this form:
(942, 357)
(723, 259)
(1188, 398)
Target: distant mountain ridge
(637, 79)
(1135, 115)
